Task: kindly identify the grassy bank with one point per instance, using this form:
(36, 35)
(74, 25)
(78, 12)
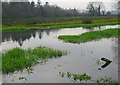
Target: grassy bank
(90, 36)
(64, 23)
(54, 25)
(37, 20)
(19, 59)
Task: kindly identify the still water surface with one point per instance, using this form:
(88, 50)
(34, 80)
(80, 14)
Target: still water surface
(81, 58)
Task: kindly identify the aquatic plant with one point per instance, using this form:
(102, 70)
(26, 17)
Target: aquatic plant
(62, 74)
(85, 77)
(75, 77)
(107, 80)
(22, 78)
(17, 59)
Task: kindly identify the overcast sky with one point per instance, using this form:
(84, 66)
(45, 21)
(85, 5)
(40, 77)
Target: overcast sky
(80, 4)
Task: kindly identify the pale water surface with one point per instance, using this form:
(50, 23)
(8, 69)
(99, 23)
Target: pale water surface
(81, 58)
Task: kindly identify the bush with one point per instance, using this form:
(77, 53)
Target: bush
(86, 21)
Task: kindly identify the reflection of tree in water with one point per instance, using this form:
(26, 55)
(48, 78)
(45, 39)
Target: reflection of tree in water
(94, 28)
(0, 38)
(115, 50)
(21, 37)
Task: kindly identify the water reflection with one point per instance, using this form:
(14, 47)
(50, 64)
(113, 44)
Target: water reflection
(0, 38)
(80, 58)
(115, 50)
(20, 37)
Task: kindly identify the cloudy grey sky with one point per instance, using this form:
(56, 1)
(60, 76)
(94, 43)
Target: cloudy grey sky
(80, 4)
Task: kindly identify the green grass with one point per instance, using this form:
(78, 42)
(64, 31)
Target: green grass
(18, 59)
(85, 25)
(86, 77)
(60, 23)
(90, 36)
(38, 20)
(80, 77)
(107, 80)
(42, 26)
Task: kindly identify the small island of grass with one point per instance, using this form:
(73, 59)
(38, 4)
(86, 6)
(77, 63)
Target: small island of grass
(18, 59)
(90, 36)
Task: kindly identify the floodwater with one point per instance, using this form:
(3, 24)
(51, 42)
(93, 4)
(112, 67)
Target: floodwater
(81, 58)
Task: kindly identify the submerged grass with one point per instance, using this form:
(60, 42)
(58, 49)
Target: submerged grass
(18, 59)
(90, 36)
(86, 77)
(108, 80)
(80, 77)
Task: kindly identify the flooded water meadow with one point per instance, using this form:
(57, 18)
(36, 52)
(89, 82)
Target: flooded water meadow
(81, 58)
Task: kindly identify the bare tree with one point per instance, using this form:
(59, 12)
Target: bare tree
(38, 3)
(118, 4)
(95, 8)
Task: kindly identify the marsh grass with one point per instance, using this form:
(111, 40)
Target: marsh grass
(54, 25)
(18, 59)
(108, 80)
(64, 23)
(75, 77)
(86, 77)
(90, 36)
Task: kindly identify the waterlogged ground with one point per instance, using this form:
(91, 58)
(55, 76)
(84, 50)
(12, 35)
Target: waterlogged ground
(81, 58)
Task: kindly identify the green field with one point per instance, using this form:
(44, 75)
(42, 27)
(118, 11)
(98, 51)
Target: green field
(18, 59)
(18, 25)
(90, 36)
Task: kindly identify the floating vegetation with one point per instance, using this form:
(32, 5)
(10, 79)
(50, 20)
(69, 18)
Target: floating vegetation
(22, 78)
(30, 70)
(62, 74)
(19, 59)
(75, 77)
(85, 77)
(107, 80)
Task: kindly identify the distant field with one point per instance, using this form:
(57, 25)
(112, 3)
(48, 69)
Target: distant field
(25, 24)
(27, 21)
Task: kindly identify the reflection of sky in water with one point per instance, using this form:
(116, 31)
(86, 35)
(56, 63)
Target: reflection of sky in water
(13, 39)
(82, 57)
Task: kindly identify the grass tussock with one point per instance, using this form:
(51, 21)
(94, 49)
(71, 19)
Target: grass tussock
(90, 36)
(18, 59)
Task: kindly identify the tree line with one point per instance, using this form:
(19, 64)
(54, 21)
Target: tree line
(15, 10)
